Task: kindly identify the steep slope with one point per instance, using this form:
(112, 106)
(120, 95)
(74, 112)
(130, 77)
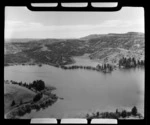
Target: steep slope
(112, 47)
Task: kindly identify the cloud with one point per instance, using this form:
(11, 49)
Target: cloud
(22, 26)
(35, 27)
(116, 23)
(31, 26)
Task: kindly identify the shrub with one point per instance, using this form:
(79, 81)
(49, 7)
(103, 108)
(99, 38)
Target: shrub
(21, 111)
(37, 107)
(28, 108)
(13, 103)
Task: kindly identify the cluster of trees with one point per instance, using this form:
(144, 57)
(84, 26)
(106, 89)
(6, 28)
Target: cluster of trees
(28, 64)
(105, 67)
(115, 115)
(37, 85)
(130, 62)
(78, 67)
(13, 103)
(37, 97)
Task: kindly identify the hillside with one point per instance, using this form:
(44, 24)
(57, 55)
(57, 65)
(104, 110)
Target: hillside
(17, 93)
(102, 47)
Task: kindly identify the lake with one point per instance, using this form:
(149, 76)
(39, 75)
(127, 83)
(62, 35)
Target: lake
(84, 91)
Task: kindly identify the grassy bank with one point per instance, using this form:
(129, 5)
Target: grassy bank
(20, 98)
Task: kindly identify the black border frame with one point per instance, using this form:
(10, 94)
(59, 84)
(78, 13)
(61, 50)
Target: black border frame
(121, 3)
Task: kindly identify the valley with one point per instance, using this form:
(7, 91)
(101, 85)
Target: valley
(85, 92)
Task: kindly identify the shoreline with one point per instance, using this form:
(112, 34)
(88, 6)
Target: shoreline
(72, 66)
(19, 110)
(57, 66)
(69, 65)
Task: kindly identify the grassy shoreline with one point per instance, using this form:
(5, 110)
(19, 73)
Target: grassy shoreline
(19, 109)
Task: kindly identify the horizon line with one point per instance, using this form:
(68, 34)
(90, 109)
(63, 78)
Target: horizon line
(75, 37)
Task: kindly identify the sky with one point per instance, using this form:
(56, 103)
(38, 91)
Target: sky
(23, 23)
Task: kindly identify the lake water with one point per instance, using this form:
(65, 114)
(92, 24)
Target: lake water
(84, 61)
(84, 91)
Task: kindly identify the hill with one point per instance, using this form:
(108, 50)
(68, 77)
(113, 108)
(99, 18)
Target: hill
(16, 93)
(102, 47)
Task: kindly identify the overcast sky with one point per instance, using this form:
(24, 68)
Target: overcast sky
(23, 23)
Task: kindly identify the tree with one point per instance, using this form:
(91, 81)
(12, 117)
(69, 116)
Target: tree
(134, 111)
(139, 63)
(97, 114)
(97, 66)
(20, 83)
(124, 113)
(37, 97)
(134, 63)
(142, 62)
(87, 116)
(28, 108)
(21, 111)
(13, 103)
(105, 66)
(38, 85)
(117, 111)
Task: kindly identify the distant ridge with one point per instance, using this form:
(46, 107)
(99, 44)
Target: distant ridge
(128, 33)
(107, 48)
(20, 40)
(92, 36)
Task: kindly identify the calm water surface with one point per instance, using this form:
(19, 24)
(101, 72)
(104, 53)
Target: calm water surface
(84, 91)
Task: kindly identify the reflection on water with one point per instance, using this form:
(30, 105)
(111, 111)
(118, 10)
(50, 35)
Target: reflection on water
(83, 90)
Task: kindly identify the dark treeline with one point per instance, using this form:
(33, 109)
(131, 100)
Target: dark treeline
(22, 110)
(37, 85)
(78, 67)
(104, 67)
(116, 115)
(37, 97)
(130, 63)
(41, 100)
